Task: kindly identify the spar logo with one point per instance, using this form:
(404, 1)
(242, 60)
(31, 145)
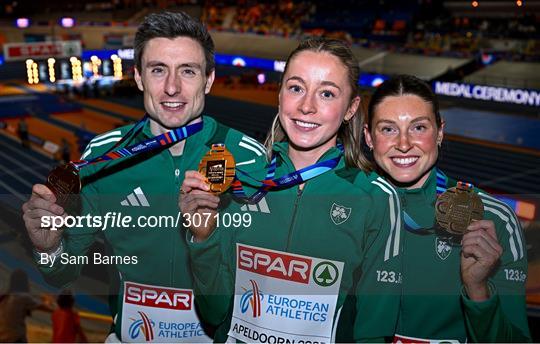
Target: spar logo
(274, 264)
(325, 274)
(252, 297)
(158, 297)
(143, 326)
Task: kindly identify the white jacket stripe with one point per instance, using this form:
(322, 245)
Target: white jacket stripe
(397, 214)
(97, 144)
(505, 213)
(508, 228)
(251, 148)
(255, 143)
(394, 219)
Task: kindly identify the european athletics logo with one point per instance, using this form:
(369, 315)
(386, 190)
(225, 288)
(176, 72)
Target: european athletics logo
(252, 297)
(144, 325)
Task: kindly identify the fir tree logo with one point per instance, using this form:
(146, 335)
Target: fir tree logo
(325, 274)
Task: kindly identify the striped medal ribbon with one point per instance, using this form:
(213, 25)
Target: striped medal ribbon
(291, 179)
(165, 139)
(64, 180)
(455, 207)
(410, 224)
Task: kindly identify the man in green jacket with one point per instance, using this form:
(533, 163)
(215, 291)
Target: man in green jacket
(134, 201)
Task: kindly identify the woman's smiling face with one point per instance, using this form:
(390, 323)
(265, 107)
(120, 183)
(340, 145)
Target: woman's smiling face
(404, 137)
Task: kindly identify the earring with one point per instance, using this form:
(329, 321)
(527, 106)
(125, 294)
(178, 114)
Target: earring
(439, 143)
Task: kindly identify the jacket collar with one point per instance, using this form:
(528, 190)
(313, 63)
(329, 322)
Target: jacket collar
(282, 150)
(426, 191)
(204, 136)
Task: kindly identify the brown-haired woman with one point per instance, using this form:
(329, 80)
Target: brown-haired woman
(468, 287)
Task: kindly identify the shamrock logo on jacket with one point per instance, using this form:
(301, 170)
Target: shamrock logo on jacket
(339, 213)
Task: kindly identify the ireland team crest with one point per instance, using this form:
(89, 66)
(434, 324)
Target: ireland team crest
(339, 213)
(442, 247)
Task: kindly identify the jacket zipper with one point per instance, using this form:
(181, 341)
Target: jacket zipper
(174, 241)
(293, 221)
(399, 322)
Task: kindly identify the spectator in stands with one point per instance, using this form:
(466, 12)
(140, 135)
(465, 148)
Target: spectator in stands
(66, 323)
(281, 18)
(65, 151)
(85, 93)
(22, 131)
(457, 286)
(95, 89)
(15, 305)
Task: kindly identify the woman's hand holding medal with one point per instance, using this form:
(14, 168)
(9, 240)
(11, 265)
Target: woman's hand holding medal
(199, 198)
(480, 253)
(196, 198)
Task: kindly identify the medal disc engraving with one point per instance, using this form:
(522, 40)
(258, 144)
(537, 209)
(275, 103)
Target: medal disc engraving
(218, 168)
(456, 208)
(64, 182)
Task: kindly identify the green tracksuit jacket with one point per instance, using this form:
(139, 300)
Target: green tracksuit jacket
(145, 185)
(433, 304)
(342, 215)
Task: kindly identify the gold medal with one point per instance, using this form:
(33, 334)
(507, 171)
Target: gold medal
(64, 182)
(457, 207)
(218, 168)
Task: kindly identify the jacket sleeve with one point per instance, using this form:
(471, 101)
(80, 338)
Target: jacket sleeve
(503, 317)
(213, 280)
(212, 260)
(379, 288)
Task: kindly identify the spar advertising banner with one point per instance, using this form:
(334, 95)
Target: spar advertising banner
(284, 297)
(41, 50)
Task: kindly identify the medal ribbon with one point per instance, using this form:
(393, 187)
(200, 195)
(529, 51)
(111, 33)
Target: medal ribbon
(284, 182)
(442, 181)
(166, 139)
(410, 224)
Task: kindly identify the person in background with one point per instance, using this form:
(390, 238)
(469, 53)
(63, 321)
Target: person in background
(66, 323)
(22, 131)
(65, 151)
(15, 305)
(466, 288)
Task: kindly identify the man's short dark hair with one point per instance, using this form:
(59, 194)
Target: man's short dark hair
(172, 25)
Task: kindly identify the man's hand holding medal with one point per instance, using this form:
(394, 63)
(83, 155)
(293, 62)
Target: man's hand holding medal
(43, 202)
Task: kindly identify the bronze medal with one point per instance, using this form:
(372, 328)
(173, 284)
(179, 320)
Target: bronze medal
(64, 182)
(456, 208)
(218, 168)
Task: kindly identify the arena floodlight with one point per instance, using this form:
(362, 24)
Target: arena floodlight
(67, 22)
(261, 78)
(22, 23)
